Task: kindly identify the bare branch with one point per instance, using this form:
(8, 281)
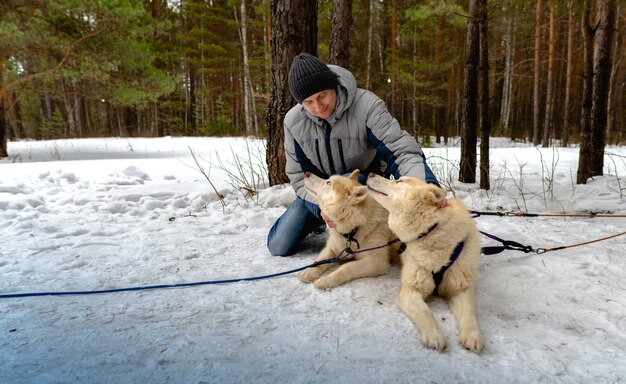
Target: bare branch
(6, 88)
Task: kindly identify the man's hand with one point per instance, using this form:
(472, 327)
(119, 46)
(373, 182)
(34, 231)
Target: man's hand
(329, 222)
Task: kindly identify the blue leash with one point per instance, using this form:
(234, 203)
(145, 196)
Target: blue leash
(164, 286)
(487, 250)
(496, 249)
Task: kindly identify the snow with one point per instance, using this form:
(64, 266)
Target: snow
(96, 214)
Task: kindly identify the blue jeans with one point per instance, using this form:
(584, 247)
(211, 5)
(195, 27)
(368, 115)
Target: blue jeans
(293, 226)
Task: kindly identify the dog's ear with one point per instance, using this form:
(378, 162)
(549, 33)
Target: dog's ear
(359, 193)
(433, 196)
(354, 175)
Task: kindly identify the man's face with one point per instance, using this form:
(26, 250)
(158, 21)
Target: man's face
(321, 104)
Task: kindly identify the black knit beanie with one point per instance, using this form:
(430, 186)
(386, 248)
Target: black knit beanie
(309, 75)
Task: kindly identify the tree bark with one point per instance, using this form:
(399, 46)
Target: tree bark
(414, 126)
(537, 76)
(568, 74)
(483, 95)
(294, 27)
(467, 171)
(66, 90)
(3, 129)
(601, 78)
(370, 37)
(547, 123)
(3, 126)
(616, 92)
(13, 127)
(267, 39)
(509, 60)
(585, 151)
(394, 54)
(249, 106)
(339, 47)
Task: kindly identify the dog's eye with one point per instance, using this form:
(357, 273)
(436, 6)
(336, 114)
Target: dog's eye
(328, 182)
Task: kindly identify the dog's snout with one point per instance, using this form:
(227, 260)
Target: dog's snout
(371, 174)
(307, 174)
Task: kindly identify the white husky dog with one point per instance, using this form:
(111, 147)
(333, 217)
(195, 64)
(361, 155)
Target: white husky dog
(443, 245)
(361, 223)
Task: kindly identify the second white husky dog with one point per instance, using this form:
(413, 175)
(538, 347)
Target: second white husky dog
(442, 255)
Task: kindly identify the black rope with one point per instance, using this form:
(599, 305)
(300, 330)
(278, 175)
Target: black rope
(525, 214)
(506, 245)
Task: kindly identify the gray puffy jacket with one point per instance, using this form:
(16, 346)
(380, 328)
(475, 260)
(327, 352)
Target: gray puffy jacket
(360, 134)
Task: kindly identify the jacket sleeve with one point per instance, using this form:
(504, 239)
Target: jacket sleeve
(293, 168)
(400, 150)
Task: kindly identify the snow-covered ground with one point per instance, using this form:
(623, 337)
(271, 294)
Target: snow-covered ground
(97, 214)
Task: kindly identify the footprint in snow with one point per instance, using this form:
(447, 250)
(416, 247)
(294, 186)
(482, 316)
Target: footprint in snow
(133, 171)
(116, 207)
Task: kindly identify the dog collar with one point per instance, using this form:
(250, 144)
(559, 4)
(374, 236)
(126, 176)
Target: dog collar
(350, 238)
(423, 234)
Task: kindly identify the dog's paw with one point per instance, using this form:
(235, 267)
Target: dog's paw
(434, 339)
(309, 275)
(473, 341)
(326, 282)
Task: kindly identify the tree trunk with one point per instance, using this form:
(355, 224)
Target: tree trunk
(394, 54)
(509, 60)
(46, 111)
(3, 130)
(585, 151)
(414, 126)
(467, 172)
(339, 47)
(3, 125)
(13, 127)
(87, 117)
(78, 113)
(568, 74)
(68, 107)
(267, 39)
(120, 120)
(483, 95)
(547, 123)
(249, 106)
(294, 27)
(370, 36)
(616, 93)
(191, 113)
(601, 78)
(537, 76)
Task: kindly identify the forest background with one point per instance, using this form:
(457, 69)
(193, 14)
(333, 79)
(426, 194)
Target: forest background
(93, 68)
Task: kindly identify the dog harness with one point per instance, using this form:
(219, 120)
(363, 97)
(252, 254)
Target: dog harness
(437, 276)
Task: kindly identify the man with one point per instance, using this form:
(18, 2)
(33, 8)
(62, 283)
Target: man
(334, 129)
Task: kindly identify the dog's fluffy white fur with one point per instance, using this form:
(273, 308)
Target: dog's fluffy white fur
(349, 206)
(414, 207)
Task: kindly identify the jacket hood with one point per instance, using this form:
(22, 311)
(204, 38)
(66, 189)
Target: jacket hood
(346, 89)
